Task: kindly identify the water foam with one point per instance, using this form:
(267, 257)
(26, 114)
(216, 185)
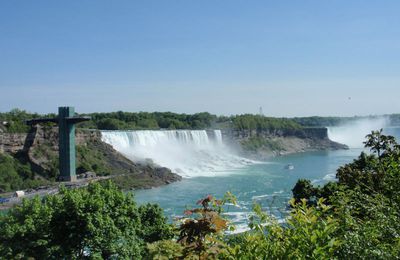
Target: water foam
(189, 153)
(353, 134)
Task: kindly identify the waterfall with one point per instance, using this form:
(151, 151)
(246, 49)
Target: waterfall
(353, 134)
(189, 153)
(218, 136)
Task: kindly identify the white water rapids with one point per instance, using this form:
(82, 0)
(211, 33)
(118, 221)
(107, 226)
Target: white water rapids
(189, 153)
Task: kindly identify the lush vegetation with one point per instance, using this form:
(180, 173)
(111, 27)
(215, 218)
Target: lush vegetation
(15, 121)
(17, 172)
(261, 123)
(318, 121)
(365, 200)
(98, 222)
(90, 159)
(144, 120)
(255, 143)
(167, 120)
(15, 175)
(357, 217)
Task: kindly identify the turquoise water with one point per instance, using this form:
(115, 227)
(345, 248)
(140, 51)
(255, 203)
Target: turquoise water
(267, 183)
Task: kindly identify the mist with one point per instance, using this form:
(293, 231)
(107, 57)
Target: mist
(353, 134)
(189, 153)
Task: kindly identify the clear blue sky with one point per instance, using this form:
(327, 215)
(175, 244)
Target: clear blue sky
(292, 58)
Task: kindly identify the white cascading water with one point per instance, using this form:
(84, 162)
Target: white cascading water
(353, 134)
(189, 153)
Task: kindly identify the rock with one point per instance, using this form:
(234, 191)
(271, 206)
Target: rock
(40, 146)
(290, 141)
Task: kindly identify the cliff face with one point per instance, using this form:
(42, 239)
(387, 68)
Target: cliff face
(12, 143)
(264, 144)
(40, 148)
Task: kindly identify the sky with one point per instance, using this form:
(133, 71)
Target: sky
(292, 58)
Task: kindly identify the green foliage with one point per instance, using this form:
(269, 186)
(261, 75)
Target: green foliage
(167, 120)
(90, 159)
(200, 235)
(318, 121)
(309, 233)
(154, 224)
(369, 225)
(144, 120)
(303, 190)
(260, 123)
(354, 218)
(111, 124)
(49, 160)
(9, 177)
(15, 120)
(165, 250)
(357, 217)
(255, 143)
(94, 222)
(15, 175)
(366, 201)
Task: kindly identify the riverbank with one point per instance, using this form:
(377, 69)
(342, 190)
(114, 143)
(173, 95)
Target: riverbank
(33, 161)
(263, 145)
(38, 149)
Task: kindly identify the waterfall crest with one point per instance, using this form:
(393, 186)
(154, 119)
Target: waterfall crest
(189, 153)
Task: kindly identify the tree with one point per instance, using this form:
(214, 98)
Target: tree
(99, 221)
(110, 124)
(154, 225)
(303, 190)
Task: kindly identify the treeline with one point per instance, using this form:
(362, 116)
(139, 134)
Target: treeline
(261, 123)
(168, 120)
(145, 120)
(318, 121)
(357, 217)
(14, 121)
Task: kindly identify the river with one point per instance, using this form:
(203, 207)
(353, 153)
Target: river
(268, 183)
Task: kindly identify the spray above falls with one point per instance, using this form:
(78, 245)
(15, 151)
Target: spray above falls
(189, 153)
(353, 133)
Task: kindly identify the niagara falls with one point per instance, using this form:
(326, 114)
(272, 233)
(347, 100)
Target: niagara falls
(199, 130)
(190, 153)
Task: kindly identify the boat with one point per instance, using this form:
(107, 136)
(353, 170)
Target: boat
(289, 166)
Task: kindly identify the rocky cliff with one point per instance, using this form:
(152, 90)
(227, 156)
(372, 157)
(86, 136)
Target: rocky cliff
(40, 149)
(264, 144)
